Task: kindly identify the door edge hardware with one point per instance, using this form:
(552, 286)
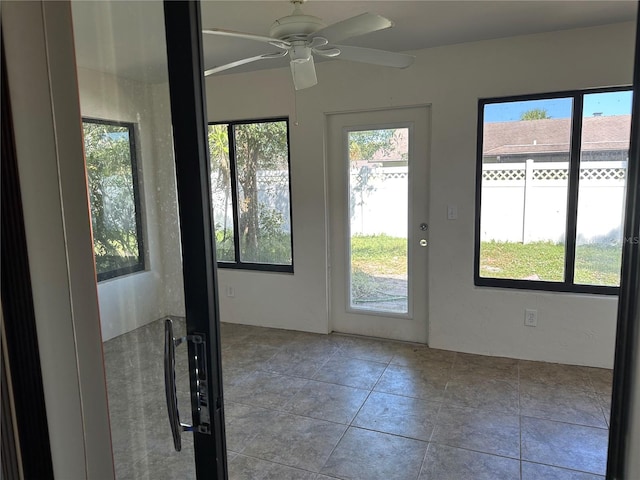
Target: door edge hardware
(200, 359)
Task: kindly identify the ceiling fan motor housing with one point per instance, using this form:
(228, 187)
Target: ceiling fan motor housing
(295, 25)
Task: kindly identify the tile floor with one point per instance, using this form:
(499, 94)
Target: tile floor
(318, 407)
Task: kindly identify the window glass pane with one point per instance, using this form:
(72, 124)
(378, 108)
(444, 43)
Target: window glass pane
(262, 169)
(221, 192)
(110, 167)
(604, 155)
(378, 226)
(525, 175)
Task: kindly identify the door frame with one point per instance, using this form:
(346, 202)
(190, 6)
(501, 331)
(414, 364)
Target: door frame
(38, 48)
(338, 190)
(627, 355)
(185, 64)
(23, 401)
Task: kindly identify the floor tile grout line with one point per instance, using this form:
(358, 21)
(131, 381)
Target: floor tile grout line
(369, 429)
(602, 426)
(379, 378)
(424, 460)
(301, 378)
(564, 422)
(562, 468)
(324, 464)
(483, 452)
(275, 463)
(287, 412)
(435, 423)
(360, 409)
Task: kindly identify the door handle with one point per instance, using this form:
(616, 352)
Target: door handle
(170, 344)
(200, 357)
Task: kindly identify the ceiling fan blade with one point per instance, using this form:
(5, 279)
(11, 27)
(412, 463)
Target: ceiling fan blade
(249, 36)
(327, 52)
(304, 74)
(352, 27)
(376, 57)
(317, 42)
(244, 61)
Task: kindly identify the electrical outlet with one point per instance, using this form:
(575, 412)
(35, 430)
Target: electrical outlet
(231, 292)
(452, 212)
(531, 318)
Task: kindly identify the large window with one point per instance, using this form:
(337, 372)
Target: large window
(550, 190)
(251, 194)
(114, 198)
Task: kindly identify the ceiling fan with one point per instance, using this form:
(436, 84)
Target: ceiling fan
(302, 36)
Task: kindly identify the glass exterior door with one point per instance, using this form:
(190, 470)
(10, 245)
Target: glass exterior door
(379, 195)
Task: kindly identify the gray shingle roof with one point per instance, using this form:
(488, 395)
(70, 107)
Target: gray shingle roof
(554, 135)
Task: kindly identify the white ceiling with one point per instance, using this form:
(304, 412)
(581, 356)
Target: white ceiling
(127, 37)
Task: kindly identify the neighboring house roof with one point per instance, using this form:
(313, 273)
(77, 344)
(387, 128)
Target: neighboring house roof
(554, 135)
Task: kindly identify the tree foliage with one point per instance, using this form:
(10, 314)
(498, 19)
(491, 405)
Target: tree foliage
(535, 114)
(364, 144)
(260, 148)
(221, 182)
(111, 196)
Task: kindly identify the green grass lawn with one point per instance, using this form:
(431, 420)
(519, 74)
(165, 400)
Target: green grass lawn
(382, 255)
(375, 258)
(379, 255)
(595, 264)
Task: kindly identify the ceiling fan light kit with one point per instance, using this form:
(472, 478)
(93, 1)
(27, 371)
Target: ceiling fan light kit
(301, 36)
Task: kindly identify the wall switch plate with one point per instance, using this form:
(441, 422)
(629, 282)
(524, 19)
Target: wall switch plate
(531, 318)
(231, 292)
(452, 212)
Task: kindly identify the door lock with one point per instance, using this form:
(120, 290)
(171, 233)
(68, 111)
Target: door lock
(200, 359)
(424, 227)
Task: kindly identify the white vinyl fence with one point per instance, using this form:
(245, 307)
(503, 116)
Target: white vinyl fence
(273, 195)
(521, 202)
(526, 202)
(379, 199)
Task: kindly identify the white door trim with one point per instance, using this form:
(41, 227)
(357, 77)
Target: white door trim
(410, 326)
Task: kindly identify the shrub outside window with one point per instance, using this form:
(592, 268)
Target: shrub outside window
(251, 196)
(550, 190)
(114, 197)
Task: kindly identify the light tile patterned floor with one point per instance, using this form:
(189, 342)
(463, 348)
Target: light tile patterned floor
(305, 406)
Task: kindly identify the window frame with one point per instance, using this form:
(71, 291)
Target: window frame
(141, 265)
(567, 285)
(238, 264)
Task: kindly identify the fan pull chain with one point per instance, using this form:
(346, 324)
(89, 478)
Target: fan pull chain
(295, 108)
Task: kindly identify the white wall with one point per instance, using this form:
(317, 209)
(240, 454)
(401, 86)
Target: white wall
(577, 329)
(133, 300)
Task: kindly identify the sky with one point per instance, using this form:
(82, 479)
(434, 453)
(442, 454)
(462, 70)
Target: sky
(607, 103)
